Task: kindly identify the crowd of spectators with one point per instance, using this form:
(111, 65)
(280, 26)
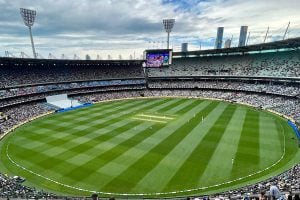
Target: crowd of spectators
(26, 90)
(21, 113)
(16, 95)
(92, 98)
(281, 89)
(11, 187)
(277, 64)
(288, 184)
(17, 74)
(4, 102)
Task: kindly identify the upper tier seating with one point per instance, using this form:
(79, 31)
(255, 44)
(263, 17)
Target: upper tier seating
(21, 75)
(277, 64)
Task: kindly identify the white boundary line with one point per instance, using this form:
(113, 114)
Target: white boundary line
(149, 194)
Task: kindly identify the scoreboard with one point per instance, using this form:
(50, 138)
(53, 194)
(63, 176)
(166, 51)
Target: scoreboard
(158, 58)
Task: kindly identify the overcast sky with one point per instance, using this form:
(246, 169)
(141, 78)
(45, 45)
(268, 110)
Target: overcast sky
(124, 27)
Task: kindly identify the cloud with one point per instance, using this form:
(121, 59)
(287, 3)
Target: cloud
(124, 27)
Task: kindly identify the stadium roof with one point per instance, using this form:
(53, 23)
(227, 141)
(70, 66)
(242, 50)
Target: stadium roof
(293, 43)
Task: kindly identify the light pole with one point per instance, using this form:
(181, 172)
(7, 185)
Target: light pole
(168, 25)
(28, 18)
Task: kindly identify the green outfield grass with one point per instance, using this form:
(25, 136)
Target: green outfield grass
(150, 147)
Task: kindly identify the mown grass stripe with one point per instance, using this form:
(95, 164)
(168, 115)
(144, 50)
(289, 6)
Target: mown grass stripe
(112, 143)
(280, 133)
(157, 178)
(88, 128)
(102, 114)
(247, 157)
(96, 175)
(138, 170)
(83, 112)
(119, 149)
(165, 109)
(47, 161)
(79, 148)
(18, 152)
(143, 127)
(74, 135)
(191, 170)
(270, 146)
(99, 106)
(56, 129)
(121, 163)
(113, 124)
(225, 151)
(182, 106)
(66, 141)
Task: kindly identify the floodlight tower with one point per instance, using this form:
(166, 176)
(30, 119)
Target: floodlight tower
(168, 25)
(28, 18)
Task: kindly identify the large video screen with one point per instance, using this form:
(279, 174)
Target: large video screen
(158, 58)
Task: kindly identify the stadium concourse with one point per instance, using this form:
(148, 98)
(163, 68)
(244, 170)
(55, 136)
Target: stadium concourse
(264, 80)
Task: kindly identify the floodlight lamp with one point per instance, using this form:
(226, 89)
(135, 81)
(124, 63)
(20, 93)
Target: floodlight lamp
(28, 16)
(168, 24)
